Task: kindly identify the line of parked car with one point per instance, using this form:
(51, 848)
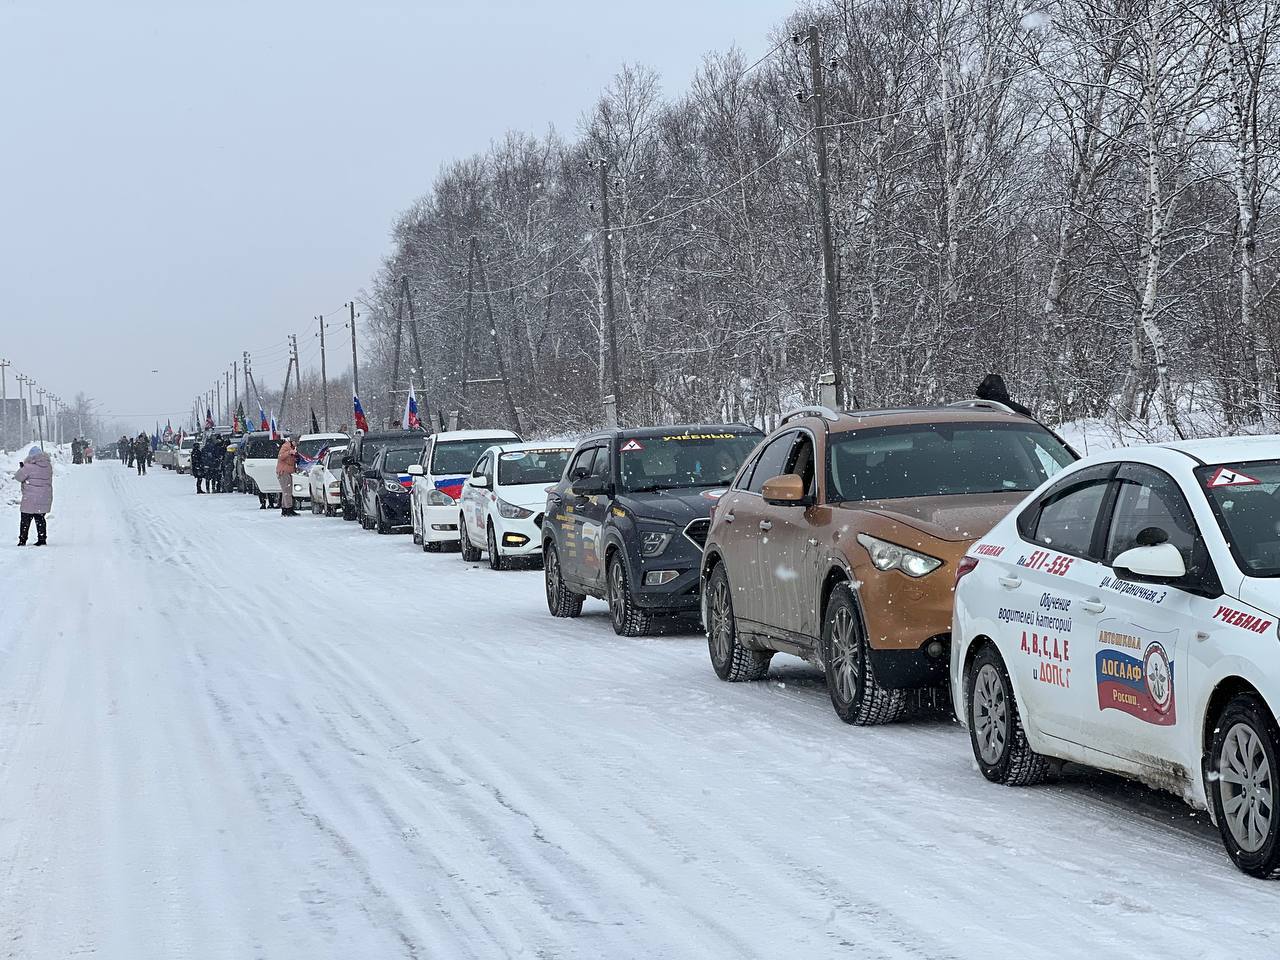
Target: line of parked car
(1118, 611)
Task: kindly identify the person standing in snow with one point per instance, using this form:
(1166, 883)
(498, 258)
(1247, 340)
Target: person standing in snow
(35, 473)
(141, 451)
(197, 465)
(286, 463)
(126, 450)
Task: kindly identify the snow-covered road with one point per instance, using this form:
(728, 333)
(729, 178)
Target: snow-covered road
(224, 734)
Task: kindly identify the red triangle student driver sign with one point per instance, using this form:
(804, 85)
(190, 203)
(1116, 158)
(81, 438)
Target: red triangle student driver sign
(632, 446)
(1230, 478)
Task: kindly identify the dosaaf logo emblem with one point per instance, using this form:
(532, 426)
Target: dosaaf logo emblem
(1141, 687)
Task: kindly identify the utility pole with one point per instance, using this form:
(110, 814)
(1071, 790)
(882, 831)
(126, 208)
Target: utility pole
(4, 403)
(226, 377)
(293, 361)
(40, 416)
(463, 373)
(355, 369)
(417, 341)
(235, 380)
(395, 360)
(818, 98)
(324, 376)
(513, 416)
(217, 407)
(22, 408)
(606, 250)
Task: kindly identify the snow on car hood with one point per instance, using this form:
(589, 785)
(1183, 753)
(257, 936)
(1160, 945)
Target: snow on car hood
(957, 517)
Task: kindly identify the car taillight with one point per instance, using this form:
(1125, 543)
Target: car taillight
(966, 565)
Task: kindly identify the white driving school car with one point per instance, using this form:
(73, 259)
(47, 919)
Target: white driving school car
(1125, 616)
(447, 461)
(500, 511)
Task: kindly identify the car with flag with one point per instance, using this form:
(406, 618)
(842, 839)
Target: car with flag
(628, 519)
(1124, 616)
(447, 460)
(501, 507)
(258, 458)
(310, 446)
(325, 480)
(362, 450)
(387, 483)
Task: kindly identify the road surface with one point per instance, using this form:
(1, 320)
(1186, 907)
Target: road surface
(226, 734)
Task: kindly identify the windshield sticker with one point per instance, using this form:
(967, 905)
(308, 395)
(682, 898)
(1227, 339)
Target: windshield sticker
(518, 455)
(1139, 685)
(1245, 621)
(1230, 478)
(632, 446)
(700, 436)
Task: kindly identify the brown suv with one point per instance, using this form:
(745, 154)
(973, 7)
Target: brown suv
(839, 538)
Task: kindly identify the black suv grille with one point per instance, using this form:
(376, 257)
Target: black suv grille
(696, 531)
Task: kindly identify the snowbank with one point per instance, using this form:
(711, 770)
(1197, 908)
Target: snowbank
(10, 489)
(1094, 434)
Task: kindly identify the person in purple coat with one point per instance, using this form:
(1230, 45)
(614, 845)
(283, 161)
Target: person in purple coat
(35, 473)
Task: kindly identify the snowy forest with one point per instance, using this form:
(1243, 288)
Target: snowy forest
(1074, 194)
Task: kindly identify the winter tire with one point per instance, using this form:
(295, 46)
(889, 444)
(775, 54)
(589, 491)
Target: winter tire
(496, 560)
(628, 619)
(856, 693)
(348, 511)
(1244, 783)
(561, 601)
(380, 521)
(730, 659)
(468, 551)
(995, 726)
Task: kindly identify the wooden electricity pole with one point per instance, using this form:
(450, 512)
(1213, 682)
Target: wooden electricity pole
(463, 371)
(417, 340)
(606, 250)
(324, 375)
(513, 415)
(293, 364)
(395, 362)
(818, 99)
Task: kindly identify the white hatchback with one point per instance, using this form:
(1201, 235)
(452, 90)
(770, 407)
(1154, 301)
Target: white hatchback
(1125, 617)
(504, 498)
(447, 461)
(325, 481)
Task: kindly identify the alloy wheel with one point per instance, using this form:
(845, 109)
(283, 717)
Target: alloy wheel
(846, 667)
(1247, 791)
(990, 714)
(721, 631)
(617, 594)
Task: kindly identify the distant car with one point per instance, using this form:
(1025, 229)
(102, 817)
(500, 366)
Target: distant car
(182, 456)
(309, 445)
(164, 456)
(438, 477)
(628, 519)
(503, 500)
(362, 449)
(258, 465)
(325, 481)
(387, 484)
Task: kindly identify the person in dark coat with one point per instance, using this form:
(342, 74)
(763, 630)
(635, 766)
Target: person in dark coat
(125, 447)
(197, 465)
(992, 388)
(141, 453)
(214, 449)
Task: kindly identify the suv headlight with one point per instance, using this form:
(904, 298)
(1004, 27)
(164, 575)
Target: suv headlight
(511, 512)
(394, 486)
(438, 498)
(890, 556)
(653, 542)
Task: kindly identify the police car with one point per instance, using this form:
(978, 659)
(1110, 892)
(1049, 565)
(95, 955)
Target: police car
(1125, 617)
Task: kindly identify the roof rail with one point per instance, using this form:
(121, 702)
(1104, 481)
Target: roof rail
(825, 412)
(983, 405)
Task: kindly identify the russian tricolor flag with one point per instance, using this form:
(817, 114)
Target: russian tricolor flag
(262, 417)
(361, 423)
(410, 419)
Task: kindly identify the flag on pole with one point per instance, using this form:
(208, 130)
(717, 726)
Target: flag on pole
(208, 418)
(275, 432)
(262, 417)
(361, 423)
(410, 419)
(240, 425)
(167, 436)
(315, 424)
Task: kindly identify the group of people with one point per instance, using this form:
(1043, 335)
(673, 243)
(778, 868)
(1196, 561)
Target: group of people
(211, 465)
(81, 450)
(136, 452)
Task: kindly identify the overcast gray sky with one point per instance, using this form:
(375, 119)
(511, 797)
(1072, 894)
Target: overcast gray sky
(181, 182)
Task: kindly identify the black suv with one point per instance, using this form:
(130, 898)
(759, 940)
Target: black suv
(361, 452)
(385, 497)
(627, 521)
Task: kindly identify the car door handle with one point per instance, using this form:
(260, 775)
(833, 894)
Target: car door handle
(1092, 605)
(766, 524)
(728, 517)
(1012, 583)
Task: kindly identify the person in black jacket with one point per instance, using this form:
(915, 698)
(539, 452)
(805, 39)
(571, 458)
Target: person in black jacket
(142, 453)
(992, 388)
(197, 465)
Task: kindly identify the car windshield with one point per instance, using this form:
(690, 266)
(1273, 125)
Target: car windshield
(532, 466)
(334, 462)
(1246, 500)
(941, 459)
(262, 448)
(398, 459)
(188, 443)
(459, 456)
(309, 448)
(682, 460)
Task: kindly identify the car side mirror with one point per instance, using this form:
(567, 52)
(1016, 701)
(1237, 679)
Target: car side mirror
(589, 487)
(481, 482)
(371, 474)
(1163, 561)
(580, 474)
(415, 470)
(785, 491)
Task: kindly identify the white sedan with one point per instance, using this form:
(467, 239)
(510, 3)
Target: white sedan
(502, 502)
(324, 481)
(1124, 616)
